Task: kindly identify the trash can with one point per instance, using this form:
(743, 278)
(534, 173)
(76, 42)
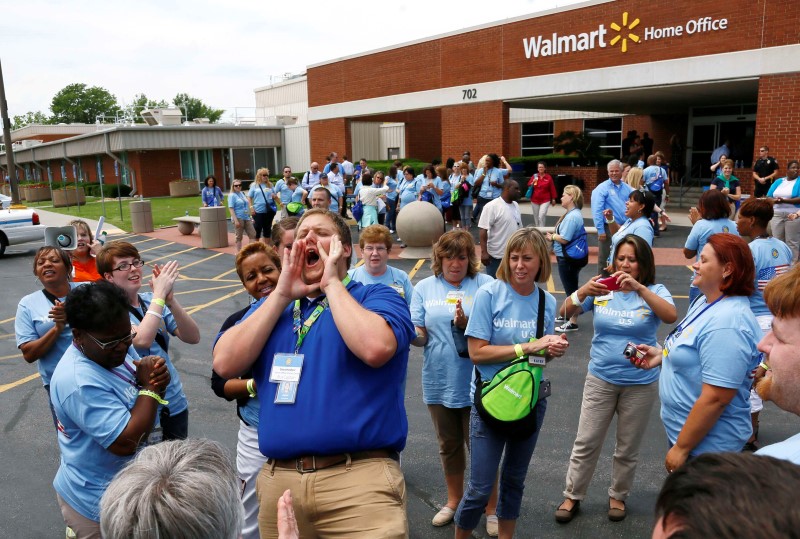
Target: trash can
(141, 216)
(214, 227)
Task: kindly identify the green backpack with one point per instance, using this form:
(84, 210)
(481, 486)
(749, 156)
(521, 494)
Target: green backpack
(507, 402)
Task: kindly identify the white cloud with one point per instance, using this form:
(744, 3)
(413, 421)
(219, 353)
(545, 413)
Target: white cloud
(217, 50)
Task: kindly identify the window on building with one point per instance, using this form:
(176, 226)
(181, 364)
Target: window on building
(537, 138)
(607, 132)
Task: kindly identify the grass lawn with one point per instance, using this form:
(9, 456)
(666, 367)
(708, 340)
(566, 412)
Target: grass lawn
(163, 208)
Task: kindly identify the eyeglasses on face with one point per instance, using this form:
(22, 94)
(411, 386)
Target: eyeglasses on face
(237, 184)
(126, 340)
(125, 266)
(375, 249)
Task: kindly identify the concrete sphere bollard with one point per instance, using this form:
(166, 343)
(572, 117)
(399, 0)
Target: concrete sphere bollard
(419, 224)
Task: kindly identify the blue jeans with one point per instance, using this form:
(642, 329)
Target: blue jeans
(391, 213)
(491, 267)
(486, 449)
(568, 271)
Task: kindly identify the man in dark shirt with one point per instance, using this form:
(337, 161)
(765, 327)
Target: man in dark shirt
(764, 171)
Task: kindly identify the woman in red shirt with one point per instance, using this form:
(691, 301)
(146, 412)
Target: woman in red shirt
(543, 194)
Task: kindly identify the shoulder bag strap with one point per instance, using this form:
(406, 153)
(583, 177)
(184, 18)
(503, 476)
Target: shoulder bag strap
(540, 316)
(162, 342)
(50, 297)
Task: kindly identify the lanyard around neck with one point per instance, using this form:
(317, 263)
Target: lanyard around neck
(300, 327)
(680, 327)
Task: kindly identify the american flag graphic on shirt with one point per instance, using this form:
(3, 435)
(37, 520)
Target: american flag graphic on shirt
(765, 275)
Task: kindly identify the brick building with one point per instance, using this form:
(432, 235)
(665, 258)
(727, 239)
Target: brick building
(705, 72)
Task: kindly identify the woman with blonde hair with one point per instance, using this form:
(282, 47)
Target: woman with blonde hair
(261, 198)
(568, 229)
(635, 177)
(499, 332)
(440, 300)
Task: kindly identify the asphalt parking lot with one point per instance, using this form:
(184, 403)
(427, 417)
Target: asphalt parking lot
(210, 289)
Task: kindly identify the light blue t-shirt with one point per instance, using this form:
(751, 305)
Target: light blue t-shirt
(391, 183)
(435, 198)
(446, 193)
(639, 227)
(33, 321)
(283, 191)
(455, 183)
(175, 395)
(393, 278)
(93, 406)
(446, 376)
(568, 228)
(335, 195)
(501, 316)
(240, 205)
(261, 197)
(705, 228)
(496, 175)
(623, 318)
(654, 177)
(772, 257)
(787, 450)
(409, 190)
(717, 348)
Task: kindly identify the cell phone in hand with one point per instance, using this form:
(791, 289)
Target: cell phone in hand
(610, 282)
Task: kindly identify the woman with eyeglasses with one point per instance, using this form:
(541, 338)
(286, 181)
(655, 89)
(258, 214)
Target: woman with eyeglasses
(156, 316)
(106, 400)
(41, 326)
(443, 299)
(258, 267)
(376, 243)
(240, 208)
(261, 197)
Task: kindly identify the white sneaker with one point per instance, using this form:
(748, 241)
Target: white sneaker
(443, 517)
(491, 526)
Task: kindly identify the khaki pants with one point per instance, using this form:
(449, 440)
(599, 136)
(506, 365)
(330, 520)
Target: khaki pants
(366, 499)
(452, 432)
(601, 400)
(82, 526)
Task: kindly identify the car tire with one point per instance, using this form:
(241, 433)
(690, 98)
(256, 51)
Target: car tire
(3, 245)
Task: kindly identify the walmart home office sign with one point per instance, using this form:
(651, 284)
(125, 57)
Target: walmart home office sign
(616, 35)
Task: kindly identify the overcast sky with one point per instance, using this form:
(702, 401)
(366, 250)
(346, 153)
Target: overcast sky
(216, 50)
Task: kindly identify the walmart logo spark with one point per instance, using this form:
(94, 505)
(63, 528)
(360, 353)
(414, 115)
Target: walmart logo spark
(621, 29)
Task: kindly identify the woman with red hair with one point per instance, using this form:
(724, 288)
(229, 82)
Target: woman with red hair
(707, 359)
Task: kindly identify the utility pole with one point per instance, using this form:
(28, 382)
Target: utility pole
(12, 169)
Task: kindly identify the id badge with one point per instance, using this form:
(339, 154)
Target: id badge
(454, 296)
(539, 357)
(399, 289)
(286, 393)
(603, 300)
(156, 436)
(286, 368)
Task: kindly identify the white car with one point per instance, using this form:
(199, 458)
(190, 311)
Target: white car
(19, 226)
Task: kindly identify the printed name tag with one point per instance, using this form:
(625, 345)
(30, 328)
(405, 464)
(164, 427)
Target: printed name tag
(286, 368)
(603, 300)
(399, 289)
(286, 393)
(454, 296)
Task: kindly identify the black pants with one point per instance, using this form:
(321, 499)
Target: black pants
(263, 223)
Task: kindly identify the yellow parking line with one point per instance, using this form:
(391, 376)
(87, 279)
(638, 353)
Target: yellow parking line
(214, 302)
(416, 268)
(157, 247)
(143, 241)
(551, 286)
(690, 268)
(12, 356)
(221, 275)
(10, 335)
(201, 260)
(12, 385)
(206, 289)
(212, 280)
(7, 320)
(172, 254)
(360, 263)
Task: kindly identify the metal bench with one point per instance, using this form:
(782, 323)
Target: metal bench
(187, 224)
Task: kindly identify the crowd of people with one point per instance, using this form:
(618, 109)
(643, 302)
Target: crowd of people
(318, 329)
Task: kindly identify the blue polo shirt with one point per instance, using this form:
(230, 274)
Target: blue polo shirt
(568, 229)
(494, 174)
(501, 316)
(609, 196)
(33, 321)
(446, 376)
(174, 394)
(718, 348)
(394, 278)
(93, 406)
(342, 404)
(624, 317)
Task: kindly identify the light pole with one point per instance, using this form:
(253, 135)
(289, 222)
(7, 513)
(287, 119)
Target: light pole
(12, 169)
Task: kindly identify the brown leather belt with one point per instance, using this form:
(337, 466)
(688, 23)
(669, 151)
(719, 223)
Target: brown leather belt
(312, 463)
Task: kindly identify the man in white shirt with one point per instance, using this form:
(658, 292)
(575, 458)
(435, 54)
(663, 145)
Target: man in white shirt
(347, 169)
(781, 347)
(499, 219)
(311, 178)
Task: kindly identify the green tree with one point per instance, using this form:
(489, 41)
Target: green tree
(578, 143)
(195, 108)
(30, 118)
(78, 103)
(141, 102)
